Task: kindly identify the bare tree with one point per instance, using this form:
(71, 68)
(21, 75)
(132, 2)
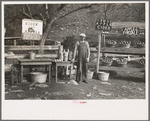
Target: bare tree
(48, 13)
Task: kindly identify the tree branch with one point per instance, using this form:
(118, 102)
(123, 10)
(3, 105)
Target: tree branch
(22, 8)
(26, 14)
(45, 35)
(84, 7)
(41, 17)
(60, 8)
(29, 10)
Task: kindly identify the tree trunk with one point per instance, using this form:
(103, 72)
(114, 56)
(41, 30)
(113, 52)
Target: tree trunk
(45, 36)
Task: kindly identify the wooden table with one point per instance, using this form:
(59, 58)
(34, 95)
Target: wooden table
(30, 62)
(62, 63)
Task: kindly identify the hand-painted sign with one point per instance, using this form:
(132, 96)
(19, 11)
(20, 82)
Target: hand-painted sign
(130, 31)
(32, 29)
(104, 24)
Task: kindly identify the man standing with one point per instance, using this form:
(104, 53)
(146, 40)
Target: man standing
(83, 57)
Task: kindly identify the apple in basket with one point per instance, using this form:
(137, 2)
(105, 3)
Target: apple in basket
(125, 43)
(107, 61)
(142, 62)
(140, 44)
(122, 61)
(110, 43)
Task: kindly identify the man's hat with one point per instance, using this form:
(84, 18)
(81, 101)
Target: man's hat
(82, 35)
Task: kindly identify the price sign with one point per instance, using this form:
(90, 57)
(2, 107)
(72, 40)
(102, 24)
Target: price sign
(32, 29)
(103, 24)
(131, 31)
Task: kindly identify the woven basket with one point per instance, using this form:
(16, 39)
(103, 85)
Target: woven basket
(110, 45)
(126, 46)
(122, 65)
(140, 46)
(106, 64)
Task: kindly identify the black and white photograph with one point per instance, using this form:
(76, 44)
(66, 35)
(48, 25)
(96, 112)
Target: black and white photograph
(75, 60)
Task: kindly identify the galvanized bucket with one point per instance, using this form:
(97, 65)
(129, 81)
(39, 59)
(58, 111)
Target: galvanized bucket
(38, 77)
(103, 76)
(89, 74)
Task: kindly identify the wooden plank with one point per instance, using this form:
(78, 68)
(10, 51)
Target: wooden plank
(141, 25)
(36, 56)
(35, 60)
(12, 38)
(10, 47)
(35, 63)
(99, 47)
(46, 55)
(134, 51)
(127, 69)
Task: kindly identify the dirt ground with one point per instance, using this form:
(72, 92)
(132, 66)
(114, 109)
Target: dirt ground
(121, 85)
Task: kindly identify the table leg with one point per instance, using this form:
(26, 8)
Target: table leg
(21, 73)
(30, 68)
(71, 67)
(18, 75)
(49, 73)
(56, 73)
(45, 68)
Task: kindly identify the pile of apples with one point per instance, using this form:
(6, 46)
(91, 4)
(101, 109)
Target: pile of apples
(142, 62)
(107, 60)
(122, 60)
(124, 42)
(111, 42)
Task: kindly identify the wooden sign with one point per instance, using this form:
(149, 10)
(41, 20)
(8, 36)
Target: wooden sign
(130, 30)
(104, 24)
(32, 29)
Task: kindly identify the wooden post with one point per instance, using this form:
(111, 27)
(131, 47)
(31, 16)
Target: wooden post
(104, 40)
(98, 53)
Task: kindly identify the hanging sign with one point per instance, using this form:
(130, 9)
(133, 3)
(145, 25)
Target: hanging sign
(104, 24)
(32, 29)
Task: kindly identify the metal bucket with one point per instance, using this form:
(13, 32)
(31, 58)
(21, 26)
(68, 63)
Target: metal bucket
(38, 77)
(103, 76)
(89, 74)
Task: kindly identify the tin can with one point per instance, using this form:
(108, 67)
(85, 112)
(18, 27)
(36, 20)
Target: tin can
(61, 53)
(65, 54)
(70, 55)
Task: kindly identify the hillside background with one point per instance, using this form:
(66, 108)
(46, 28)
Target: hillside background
(80, 21)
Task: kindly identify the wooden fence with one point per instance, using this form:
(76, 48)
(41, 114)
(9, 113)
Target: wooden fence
(24, 49)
